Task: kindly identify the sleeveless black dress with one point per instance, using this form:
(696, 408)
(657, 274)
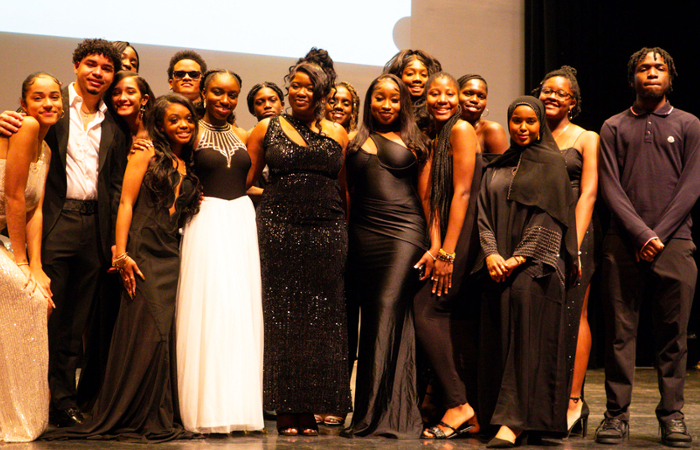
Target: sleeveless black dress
(303, 250)
(590, 255)
(589, 259)
(387, 237)
(138, 399)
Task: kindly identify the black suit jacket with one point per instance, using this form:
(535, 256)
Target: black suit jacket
(112, 162)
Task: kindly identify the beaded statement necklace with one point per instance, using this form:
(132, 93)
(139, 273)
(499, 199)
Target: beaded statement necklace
(222, 139)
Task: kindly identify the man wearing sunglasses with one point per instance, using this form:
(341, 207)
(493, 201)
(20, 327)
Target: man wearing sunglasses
(185, 72)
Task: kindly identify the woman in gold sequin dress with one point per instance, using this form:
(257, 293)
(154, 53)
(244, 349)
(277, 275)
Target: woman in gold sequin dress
(303, 247)
(25, 290)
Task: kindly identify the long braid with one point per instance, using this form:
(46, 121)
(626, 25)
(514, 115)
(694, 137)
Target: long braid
(441, 183)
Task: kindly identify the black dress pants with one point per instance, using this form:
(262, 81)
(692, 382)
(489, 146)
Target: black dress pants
(666, 285)
(71, 258)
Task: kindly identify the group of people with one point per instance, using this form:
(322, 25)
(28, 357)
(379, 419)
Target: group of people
(452, 264)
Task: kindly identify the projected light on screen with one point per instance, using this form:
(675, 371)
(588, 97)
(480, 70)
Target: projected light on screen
(359, 32)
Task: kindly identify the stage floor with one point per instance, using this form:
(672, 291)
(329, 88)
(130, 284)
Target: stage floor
(644, 430)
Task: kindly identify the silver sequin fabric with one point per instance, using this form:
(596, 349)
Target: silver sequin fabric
(24, 351)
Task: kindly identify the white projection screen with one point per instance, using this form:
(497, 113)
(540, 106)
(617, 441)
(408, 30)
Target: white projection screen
(259, 40)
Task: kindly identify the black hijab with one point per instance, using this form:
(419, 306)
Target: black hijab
(541, 178)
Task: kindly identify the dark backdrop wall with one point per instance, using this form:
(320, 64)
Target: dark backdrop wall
(597, 38)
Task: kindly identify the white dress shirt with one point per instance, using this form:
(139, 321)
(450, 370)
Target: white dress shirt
(82, 157)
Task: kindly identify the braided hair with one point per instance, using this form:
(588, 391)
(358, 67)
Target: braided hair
(354, 114)
(641, 54)
(441, 177)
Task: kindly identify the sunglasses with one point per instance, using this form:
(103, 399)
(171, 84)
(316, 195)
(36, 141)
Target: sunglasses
(180, 74)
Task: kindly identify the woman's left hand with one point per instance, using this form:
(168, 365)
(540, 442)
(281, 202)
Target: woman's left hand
(128, 274)
(442, 277)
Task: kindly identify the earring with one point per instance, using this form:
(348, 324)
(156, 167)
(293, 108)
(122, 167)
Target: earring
(571, 114)
(143, 109)
(204, 103)
(63, 113)
(485, 113)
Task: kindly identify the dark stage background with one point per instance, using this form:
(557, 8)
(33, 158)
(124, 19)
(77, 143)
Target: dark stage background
(597, 38)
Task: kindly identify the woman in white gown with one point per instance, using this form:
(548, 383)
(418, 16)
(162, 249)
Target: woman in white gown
(219, 308)
(25, 290)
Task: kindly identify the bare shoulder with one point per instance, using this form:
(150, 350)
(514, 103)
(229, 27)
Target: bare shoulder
(241, 133)
(587, 139)
(462, 129)
(335, 132)
(30, 127)
(492, 127)
(142, 157)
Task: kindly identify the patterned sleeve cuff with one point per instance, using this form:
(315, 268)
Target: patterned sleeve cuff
(488, 243)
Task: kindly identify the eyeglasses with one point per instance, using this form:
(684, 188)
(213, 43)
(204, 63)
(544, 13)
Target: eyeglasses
(180, 74)
(561, 94)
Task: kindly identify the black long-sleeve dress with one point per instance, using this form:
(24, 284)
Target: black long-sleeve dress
(526, 208)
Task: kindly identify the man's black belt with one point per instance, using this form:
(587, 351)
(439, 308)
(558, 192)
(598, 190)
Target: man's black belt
(85, 207)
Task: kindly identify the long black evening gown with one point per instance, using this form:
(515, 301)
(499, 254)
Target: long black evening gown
(387, 237)
(590, 253)
(138, 399)
(523, 370)
(303, 251)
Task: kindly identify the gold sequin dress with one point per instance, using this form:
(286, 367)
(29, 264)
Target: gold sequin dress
(24, 345)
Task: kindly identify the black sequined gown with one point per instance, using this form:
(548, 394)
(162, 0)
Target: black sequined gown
(387, 237)
(303, 250)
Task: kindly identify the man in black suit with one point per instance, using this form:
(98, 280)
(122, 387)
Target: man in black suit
(88, 157)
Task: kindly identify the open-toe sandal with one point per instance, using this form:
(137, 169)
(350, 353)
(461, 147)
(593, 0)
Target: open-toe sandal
(437, 432)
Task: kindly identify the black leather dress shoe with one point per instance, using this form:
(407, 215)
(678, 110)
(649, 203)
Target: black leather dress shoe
(674, 433)
(611, 431)
(66, 417)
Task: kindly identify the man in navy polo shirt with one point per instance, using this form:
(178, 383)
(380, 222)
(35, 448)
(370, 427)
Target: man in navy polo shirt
(650, 180)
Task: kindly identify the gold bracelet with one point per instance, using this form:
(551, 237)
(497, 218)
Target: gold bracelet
(447, 257)
(22, 264)
(431, 255)
(120, 260)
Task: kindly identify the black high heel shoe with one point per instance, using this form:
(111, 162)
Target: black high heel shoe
(580, 425)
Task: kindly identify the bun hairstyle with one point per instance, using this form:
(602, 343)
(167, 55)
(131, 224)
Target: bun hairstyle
(472, 76)
(569, 73)
(322, 59)
(254, 90)
(31, 78)
(123, 45)
(320, 81)
(200, 107)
